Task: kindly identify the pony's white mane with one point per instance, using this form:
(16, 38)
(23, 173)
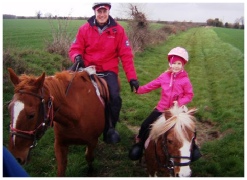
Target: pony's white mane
(181, 118)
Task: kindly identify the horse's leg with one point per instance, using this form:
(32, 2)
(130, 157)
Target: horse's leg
(89, 154)
(61, 152)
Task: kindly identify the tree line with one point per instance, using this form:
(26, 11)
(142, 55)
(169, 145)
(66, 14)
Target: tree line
(239, 23)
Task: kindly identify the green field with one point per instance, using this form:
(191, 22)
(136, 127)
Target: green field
(216, 70)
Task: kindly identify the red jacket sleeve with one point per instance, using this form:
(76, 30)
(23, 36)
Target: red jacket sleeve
(126, 55)
(77, 46)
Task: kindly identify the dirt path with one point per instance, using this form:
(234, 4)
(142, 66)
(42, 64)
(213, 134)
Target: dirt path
(206, 131)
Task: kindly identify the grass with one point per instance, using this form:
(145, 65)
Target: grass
(216, 70)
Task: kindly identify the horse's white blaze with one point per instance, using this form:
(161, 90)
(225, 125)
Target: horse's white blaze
(17, 108)
(185, 171)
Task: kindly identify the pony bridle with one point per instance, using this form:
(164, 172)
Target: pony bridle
(40, 129)
(170, 163)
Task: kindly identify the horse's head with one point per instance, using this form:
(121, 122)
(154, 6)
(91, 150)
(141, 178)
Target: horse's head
(174, 134)
(27, 112)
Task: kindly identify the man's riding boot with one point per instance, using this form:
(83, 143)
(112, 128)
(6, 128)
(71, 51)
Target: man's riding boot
(111, 136)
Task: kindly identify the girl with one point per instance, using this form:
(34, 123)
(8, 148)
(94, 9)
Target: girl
(176, 89)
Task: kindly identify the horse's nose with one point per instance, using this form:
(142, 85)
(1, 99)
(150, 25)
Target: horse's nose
(20, 161)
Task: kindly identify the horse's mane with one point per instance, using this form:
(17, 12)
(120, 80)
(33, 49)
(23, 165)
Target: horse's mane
(56, 88)
(178, 119)
(56, 85)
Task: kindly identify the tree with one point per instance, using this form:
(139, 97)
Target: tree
(38, 14)
(242, 22)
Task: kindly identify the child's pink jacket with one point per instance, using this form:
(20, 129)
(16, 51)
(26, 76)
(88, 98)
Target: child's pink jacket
(175, 87)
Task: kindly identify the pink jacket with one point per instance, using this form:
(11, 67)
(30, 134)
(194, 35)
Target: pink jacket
(175, 87)
(104, 50)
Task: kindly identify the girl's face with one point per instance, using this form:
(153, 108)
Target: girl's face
(102, 15)
(177, 66)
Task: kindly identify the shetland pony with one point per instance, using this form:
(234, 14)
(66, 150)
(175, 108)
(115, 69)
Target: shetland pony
(169, 146)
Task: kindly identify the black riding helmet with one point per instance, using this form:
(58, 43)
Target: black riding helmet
(95, 5)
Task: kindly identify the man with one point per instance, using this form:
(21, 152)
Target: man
(102, 42)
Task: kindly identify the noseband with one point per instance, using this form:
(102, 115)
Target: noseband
(40, 129)
(169, 163)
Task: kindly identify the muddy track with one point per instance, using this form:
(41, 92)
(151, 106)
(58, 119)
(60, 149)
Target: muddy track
(206, 131)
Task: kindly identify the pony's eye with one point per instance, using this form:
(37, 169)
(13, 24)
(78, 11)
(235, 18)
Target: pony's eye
(169, 141)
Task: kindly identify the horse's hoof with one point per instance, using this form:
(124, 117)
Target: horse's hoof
(136, 152)
(112, 136)
(90, 171)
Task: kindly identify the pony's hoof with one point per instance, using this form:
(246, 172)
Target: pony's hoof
(136, 152)
(112, 137)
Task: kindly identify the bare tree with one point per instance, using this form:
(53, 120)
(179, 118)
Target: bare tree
(61, 38)
(242, 20)
(138, 28)
(38, 14)
(48, 15)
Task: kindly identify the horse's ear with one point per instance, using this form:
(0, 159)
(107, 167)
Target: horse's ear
(40, 81)
(192, 111)
(13, 77)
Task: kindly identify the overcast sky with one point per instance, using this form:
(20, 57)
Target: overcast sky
(189, 11)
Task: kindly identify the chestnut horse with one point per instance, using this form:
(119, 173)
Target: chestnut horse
(69, 101)
(169, 146)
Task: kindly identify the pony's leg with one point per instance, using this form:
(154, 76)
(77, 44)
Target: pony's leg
(89, 154)
(61, 152)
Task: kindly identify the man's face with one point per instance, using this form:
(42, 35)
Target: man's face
(102, 15)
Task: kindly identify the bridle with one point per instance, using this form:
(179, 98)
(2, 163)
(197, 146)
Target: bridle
(40, 129)
(169, 163)
(48, 116)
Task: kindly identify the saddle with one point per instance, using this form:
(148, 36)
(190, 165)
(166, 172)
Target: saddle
(110, 135)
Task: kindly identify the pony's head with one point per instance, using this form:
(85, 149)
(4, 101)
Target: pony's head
(176, 128)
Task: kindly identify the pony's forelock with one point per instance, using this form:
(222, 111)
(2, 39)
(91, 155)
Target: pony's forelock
(179, 119)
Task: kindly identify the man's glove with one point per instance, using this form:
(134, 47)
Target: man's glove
(79, 60)
(134, 84)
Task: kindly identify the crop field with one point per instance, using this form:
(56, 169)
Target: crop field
(216, 70)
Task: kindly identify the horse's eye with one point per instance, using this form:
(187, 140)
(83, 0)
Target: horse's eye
(30, 116)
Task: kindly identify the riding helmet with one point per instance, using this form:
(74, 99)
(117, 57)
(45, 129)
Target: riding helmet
(179, 51)
(95, 5)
